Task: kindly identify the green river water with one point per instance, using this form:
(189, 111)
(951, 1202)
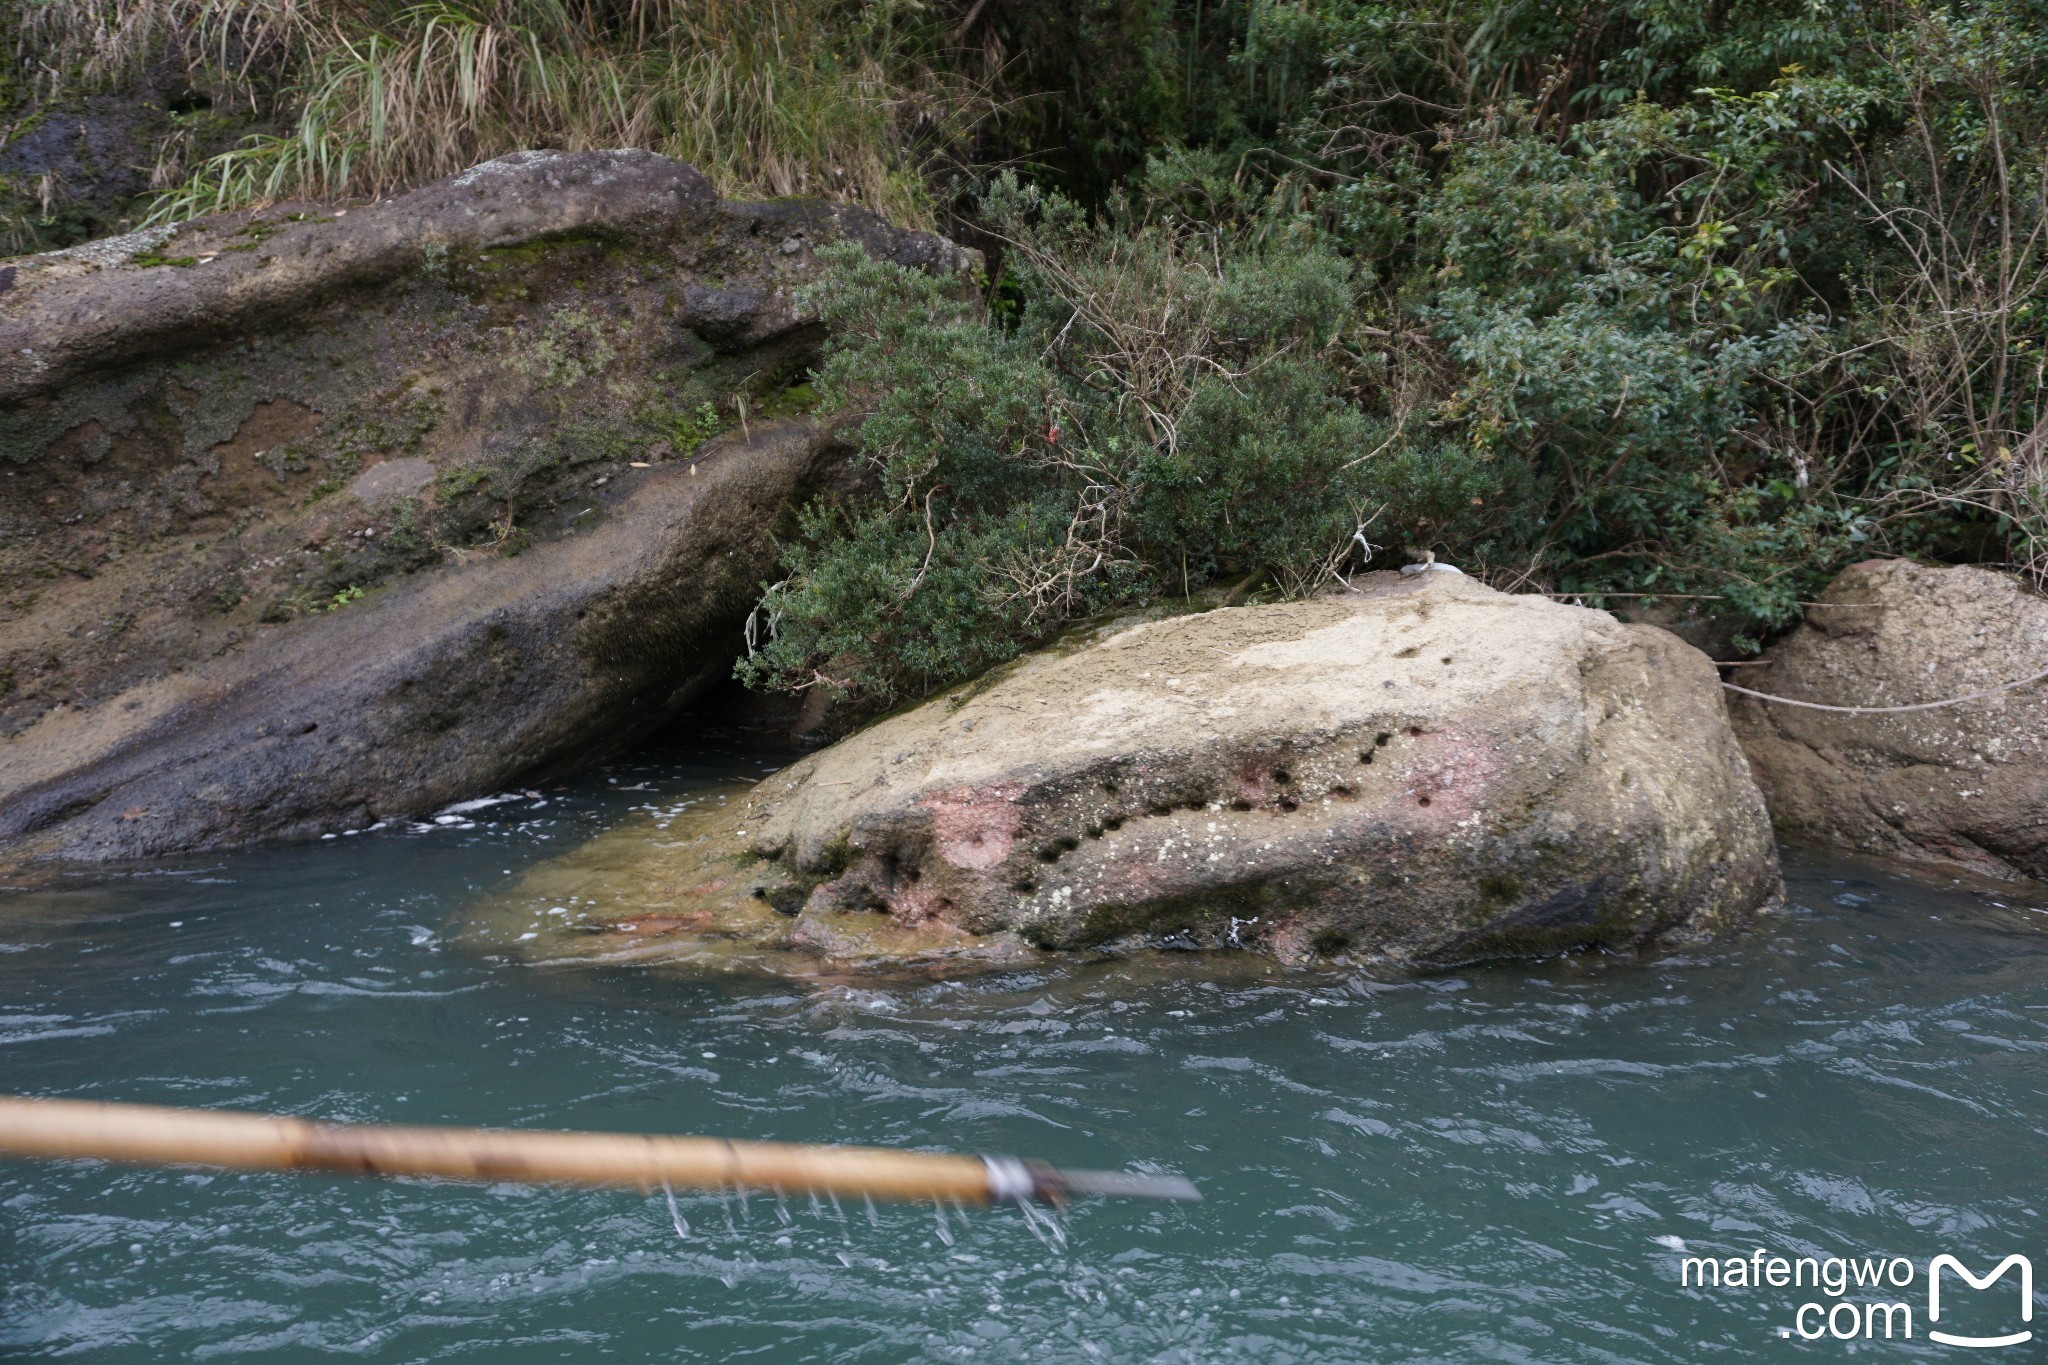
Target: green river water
(1502, 1164)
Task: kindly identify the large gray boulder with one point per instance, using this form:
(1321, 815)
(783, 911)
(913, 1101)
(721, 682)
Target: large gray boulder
(314, 516)
(1423, 770)
(1962, 786)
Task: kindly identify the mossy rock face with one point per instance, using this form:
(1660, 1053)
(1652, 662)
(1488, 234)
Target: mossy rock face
(222, 441)
(1417, 772)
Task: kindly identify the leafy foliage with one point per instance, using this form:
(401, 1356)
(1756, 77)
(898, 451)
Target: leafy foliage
(1168, 407)
(1631, 298)
(1625, 297)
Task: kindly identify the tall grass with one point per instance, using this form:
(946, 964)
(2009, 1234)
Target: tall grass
(773, 97)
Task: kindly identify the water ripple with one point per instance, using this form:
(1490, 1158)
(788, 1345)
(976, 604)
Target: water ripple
(1487, 1165)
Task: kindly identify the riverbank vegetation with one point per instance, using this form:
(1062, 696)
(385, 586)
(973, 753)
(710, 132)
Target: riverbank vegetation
(359, 98)
(1615, 298)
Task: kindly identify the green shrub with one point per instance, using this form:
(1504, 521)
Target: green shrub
(1166, 405)
(1627, 297)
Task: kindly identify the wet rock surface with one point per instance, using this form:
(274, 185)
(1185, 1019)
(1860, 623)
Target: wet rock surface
(450, 481)
(1964, 786)
(441, 686)
(1420, 771)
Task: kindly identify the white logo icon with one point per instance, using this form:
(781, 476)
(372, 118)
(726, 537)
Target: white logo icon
(1934, 1270)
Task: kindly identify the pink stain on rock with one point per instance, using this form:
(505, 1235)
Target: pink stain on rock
(1454, 772)
(1288, 941)
(916, 906)
(975, 827)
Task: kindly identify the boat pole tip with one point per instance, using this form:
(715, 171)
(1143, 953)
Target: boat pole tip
(1133, 1185)
(1011, 1181)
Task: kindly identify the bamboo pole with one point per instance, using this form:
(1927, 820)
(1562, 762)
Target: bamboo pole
(259, 1142)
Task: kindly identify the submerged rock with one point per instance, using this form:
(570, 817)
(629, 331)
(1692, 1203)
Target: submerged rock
(315, 516)
(1966, 785)
(1423, 770)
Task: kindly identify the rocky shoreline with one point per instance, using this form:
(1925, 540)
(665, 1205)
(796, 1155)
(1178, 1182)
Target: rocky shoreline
(316, 518)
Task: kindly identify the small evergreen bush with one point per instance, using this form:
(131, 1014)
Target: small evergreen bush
(1168, 404)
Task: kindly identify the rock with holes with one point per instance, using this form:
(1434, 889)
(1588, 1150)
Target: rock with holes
(1421, 770)
(1964, 786)
(313, 516)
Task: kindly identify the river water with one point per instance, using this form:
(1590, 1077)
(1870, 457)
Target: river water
(1496, 1164)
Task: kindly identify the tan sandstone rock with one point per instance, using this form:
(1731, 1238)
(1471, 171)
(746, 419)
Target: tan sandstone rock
(1965, 785)
(1423, 770)
(313, 516)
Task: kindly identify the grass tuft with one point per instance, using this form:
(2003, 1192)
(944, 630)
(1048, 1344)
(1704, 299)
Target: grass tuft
(369, 97)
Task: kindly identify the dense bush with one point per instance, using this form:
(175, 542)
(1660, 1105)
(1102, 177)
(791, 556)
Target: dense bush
(1624, 297)
(1630, 299)
(1171, 402)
